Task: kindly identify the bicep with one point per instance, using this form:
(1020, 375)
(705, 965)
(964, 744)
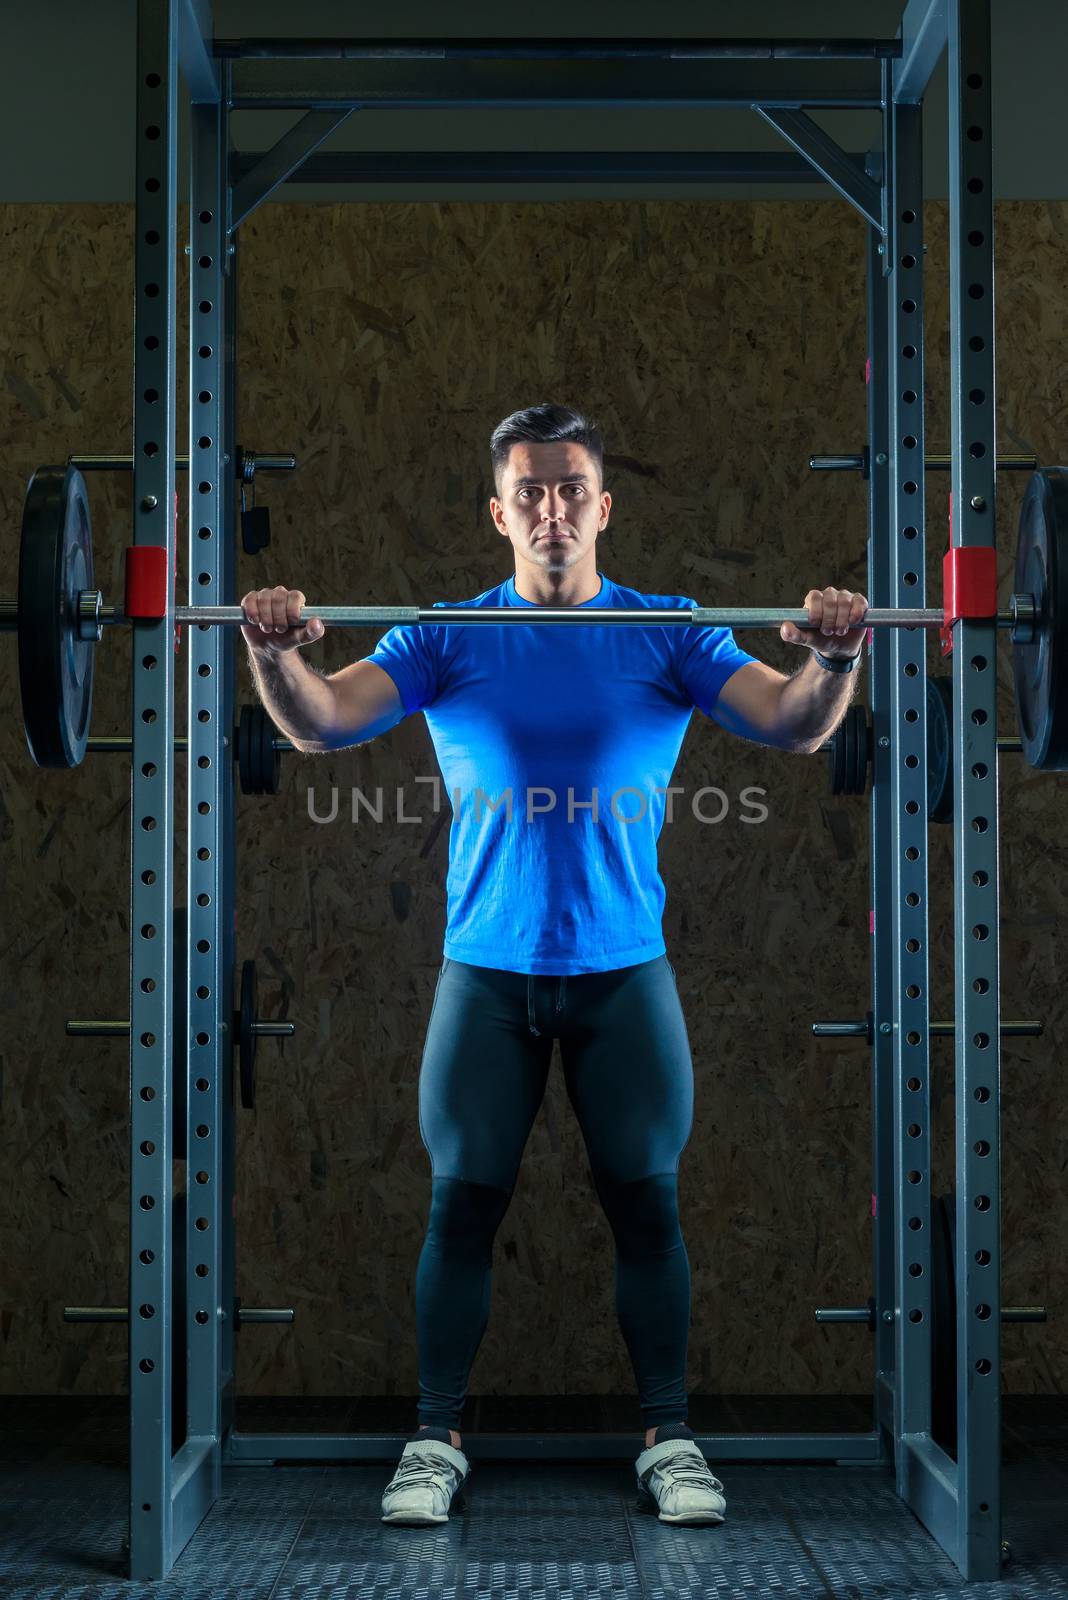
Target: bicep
(749, 703)
(368, 703)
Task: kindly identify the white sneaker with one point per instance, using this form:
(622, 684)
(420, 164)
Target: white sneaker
(675, 1476)
(427, 1484)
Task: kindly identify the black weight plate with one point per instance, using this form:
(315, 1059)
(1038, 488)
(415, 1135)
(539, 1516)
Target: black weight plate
(270, 758)
(849, 751)
(940, 749)
(246, 1037)
(836, 759)
(944, 1323)
(55, 666)
(859, 779)
(1040, 667)
(865, 749)
(244, 750)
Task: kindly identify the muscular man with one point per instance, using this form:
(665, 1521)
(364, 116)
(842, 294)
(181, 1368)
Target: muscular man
(557, 746)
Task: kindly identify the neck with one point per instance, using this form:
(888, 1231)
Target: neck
(571, 586)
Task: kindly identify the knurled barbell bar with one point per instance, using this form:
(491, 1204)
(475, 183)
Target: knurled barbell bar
(59, 615)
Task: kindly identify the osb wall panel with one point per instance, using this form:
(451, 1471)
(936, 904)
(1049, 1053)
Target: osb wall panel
(719, 345)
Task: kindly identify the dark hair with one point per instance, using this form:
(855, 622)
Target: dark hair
(544, 424)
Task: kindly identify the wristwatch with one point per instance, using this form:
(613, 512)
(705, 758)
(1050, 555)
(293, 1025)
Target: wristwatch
(839, 663)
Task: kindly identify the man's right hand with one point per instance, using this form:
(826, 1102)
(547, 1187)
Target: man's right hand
(275, 623)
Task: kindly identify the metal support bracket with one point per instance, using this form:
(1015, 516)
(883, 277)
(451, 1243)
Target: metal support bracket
(834, 164)
(279, 163)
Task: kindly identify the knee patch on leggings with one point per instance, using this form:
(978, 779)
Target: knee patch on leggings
(643, 1215)
(464, 1217)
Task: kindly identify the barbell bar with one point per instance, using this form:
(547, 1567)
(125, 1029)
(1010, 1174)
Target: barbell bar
(90, 607)
(590, 616)
(59, 615)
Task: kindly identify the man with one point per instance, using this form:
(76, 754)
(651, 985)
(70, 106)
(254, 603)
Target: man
(545, 736)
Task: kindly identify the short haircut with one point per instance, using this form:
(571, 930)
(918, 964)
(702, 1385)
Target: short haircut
(545, 424)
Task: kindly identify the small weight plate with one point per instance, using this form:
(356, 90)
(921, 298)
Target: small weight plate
(270, 758)
(55, 666)
(1039, 667)
(940, 749)
(849, 751)
(861, 752)
(836, 759)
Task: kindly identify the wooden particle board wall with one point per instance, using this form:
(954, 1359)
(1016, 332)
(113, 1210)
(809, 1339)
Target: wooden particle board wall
(719, 345)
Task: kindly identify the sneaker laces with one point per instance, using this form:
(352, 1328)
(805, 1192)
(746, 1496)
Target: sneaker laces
(684, 1469)
(422, 1469)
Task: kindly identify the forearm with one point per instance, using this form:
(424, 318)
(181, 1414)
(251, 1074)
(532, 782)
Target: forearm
(813, 703)
(302, 703)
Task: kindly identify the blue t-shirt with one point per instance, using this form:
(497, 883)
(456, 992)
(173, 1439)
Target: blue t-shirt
(553, 742)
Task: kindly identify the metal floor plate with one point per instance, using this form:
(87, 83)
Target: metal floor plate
(541, 1530)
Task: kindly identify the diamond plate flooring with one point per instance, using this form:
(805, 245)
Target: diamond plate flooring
(531, 1529)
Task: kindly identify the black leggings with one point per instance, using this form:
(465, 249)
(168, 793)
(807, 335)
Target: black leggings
(628, 1073)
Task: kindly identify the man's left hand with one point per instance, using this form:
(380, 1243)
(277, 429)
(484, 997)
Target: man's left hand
(837, 615)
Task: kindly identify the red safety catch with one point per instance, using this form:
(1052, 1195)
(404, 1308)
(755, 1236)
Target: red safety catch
(146, 581)
(970, 588)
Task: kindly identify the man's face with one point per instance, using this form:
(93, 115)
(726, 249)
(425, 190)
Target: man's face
(551, 504)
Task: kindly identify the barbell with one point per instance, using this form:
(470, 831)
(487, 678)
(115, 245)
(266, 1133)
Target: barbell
(59, 617)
